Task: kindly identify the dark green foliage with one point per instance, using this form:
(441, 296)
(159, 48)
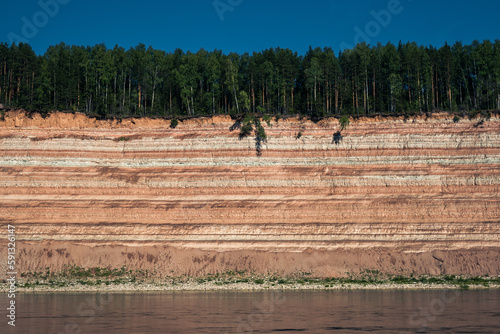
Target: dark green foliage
(250, 123)
(236, 125)
(246, 125)
(260, 137)
(344, 122)
(337, 138)
(382, 79)
(299, 135)
(246, 130)
(260, 132)
(456, 119)
(173, 123)
(267, 119)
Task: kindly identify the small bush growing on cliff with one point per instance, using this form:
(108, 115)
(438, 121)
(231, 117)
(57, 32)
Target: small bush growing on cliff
(267, 119)
(260, 133)
(456, 119)
(337, 138)
(260, 137)
(248, 124)
(245, 130)
(173, 123)
(344, 122)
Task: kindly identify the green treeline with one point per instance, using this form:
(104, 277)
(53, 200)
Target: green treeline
(147, 82)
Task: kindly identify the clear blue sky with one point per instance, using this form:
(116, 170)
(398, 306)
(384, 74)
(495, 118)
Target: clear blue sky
(247, 25)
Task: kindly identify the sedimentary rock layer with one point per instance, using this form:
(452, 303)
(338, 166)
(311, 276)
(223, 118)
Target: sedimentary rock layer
(419, 195)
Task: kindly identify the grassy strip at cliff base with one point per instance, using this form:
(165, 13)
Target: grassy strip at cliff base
(77, 278)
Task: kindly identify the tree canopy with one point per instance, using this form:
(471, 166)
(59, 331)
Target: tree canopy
(142, 81)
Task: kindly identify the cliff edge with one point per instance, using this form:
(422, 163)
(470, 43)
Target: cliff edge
(417, 195)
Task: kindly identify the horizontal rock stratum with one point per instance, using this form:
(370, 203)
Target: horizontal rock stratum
(418, 195)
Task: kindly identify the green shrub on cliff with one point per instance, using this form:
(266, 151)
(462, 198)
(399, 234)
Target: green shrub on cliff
(173, 123)
(267, 119)
(251, 123)
(344, 122)
(260, 137)
(337, 138)
(245, 130)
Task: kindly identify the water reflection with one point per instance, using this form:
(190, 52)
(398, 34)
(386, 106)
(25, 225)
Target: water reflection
(358, 311)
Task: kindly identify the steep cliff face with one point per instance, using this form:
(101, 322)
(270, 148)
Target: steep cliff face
(419, 195)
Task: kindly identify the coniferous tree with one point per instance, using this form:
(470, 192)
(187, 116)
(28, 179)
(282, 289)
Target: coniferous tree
(143, 81)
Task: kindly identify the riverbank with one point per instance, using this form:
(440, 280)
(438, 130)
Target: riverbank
(193, 286)
(77, 279)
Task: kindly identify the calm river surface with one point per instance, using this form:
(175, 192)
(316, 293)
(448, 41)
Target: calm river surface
(357, 311)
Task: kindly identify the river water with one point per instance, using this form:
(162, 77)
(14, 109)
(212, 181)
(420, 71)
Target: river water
(353, 311)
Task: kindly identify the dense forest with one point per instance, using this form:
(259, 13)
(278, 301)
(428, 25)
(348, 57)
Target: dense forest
(382, 79)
